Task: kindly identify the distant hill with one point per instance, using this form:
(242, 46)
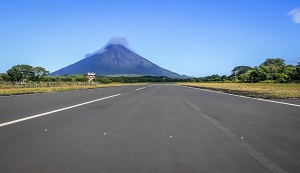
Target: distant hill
(116, 59)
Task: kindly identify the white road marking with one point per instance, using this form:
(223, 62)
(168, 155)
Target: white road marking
(283, 103)
(54, 111)
(140, 88)
(151, 85)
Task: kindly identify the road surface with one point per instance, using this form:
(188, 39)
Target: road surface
(147, 128)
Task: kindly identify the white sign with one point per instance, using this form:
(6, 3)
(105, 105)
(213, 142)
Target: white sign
(91, 76)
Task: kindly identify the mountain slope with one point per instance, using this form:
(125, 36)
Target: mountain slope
(116, 59)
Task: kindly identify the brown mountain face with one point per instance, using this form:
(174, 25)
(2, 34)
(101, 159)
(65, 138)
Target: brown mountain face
(116, 60)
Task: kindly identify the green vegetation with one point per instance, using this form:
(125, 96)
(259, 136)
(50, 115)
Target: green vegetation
(19, 73)
(272, 79)
(258, 90)
(271, 71)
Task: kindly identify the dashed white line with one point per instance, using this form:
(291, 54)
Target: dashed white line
(54, 111)
(151, 85)
(140, 88)
(271, 101)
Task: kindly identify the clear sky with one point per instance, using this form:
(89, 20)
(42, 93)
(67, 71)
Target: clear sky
(191, 37)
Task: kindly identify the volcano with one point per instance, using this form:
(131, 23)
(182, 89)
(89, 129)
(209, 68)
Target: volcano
(116, 59)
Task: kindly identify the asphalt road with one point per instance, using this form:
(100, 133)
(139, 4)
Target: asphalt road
(149, 128)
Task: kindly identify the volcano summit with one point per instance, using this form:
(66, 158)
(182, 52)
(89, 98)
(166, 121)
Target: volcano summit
(116, 59)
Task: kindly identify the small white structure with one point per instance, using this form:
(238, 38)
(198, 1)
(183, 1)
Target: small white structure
(91, 76)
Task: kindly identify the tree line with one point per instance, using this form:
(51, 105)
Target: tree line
(23, 72)
(271, 70)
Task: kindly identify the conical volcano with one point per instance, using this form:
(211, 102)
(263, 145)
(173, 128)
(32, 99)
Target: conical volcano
(116, 59)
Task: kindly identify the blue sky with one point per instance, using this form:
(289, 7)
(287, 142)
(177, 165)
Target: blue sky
(191, 37)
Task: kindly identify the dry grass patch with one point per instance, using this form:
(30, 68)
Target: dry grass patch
(260, 90)
(14, 91)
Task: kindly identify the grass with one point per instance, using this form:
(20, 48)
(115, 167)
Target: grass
(17, 90)
(258, 90)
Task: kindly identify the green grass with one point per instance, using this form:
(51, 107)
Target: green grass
(258, 90)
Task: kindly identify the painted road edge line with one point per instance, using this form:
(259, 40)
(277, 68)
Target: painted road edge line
(271, 101)
(54, 111)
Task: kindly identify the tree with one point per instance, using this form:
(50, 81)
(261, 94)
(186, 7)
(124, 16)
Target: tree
(192, 80)
(245, 77)
(267, 72)
(258, 74)
(4, 77)
(279, 62)
(238, 70)
(20, 72)
(39, 73)
(291, 72)
(223, 78)
(274, 67)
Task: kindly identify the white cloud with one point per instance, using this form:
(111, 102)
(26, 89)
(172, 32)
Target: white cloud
(295, 13)
(118, 40)
(114, 40)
